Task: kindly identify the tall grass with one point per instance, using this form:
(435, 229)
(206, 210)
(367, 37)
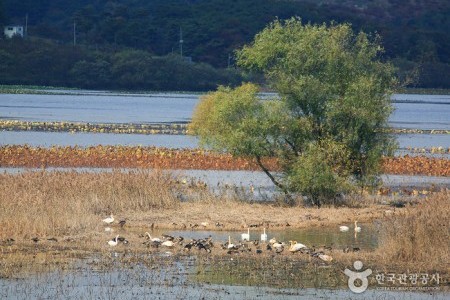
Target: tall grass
(58, 203)
(419, 237)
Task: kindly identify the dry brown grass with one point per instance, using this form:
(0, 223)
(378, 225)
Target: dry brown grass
(420, 236)
(56, 204)
(60, 203)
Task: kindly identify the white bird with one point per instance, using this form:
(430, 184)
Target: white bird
(167, 244)
(264, 236)
(325, 257)
(113, 242)
(295, 247)
(230, 245)
(278, 245)
(157, 240)
(357, 228)
(246, 236)
(108, 220)
(344, 228)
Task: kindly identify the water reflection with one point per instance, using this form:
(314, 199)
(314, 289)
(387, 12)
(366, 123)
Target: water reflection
(186, 279)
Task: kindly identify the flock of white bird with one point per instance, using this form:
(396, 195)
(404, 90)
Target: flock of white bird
(293, 246)
(346, 228)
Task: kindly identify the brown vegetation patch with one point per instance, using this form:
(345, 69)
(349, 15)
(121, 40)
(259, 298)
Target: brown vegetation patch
(419, 236)
(165, 158)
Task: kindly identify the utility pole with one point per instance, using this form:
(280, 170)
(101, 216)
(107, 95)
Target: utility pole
(74, 33)
(26, 25)
(181, 42)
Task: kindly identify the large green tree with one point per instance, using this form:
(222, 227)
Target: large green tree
(326, 125)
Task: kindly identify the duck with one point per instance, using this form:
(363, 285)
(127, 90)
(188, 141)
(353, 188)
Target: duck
(113, 242)
(264, 236)
(158, 240)
(357, 228)
(109, 219)
(246, 236)
(344, 228)
(295, 246)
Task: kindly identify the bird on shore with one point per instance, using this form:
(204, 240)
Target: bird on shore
(158, 240)
(109, 220)
(122, 223)
(246, 236)
(113, 242)
(264, 236)
(278, 245)
(344, 228)
(357, 228)
(295, 247)
(168, 244)
(230, 245)
(325, 257)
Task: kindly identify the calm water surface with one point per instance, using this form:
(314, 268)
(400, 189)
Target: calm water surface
(411, 111)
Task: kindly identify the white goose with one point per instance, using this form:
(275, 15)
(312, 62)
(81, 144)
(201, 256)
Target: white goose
(246, 236)
(113, 242)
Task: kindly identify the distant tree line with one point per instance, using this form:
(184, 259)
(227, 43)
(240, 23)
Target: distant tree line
(31, 62)
(414, 32)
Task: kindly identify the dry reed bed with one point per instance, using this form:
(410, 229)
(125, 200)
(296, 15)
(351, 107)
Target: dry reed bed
(419, 236)
(164, 158)
(73, 203)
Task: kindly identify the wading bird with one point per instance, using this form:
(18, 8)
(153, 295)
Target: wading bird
(246, 236)
(357, 228)
(344, 228)
(230, 245)
(113, 242)
(158, 240)
(264, 236)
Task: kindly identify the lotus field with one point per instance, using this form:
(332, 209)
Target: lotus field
(187, 159)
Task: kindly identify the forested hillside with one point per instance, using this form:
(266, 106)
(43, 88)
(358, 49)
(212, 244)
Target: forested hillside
(414, 32)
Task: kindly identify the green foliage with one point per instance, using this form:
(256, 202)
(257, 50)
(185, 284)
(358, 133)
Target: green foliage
(414, 30)
(24, 61)
(327, 126)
